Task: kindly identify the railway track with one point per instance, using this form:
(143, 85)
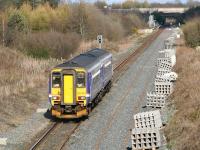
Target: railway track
(62, 130)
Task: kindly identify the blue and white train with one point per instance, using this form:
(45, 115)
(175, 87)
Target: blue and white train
(77, 85)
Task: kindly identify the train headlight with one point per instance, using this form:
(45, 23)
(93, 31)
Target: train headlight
(81, 97)
(55, 97)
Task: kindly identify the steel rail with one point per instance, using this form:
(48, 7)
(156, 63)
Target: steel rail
(48, 131)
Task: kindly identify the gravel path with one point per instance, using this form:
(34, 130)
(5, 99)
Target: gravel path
(108, 127)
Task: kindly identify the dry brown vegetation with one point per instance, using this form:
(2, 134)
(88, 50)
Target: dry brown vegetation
(192, 32)
(183, 130)
(23, 84)
(45, 32)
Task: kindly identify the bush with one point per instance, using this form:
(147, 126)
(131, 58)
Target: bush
(128, 4)
(46, 44)
(40, 18)
(88, 21)
(56, 32)
(100, 4)
(192, 13)
(38, 52)
(23, 83)
(182, 131)
(17, 21)
(191, 31)
(130, 22)
(116, 6)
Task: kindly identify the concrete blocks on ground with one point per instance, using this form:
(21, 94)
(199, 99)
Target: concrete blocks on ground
(168, 52)
(146, 138)
(149, 119)
(161, 79)
(165, 88)
(163, 60)
(168, 46)
(169, 43)
(156, 100)
(162, 71)
(167, 55)
(165, 66)
(167, 77)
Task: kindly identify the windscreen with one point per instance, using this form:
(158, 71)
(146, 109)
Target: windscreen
(80, 80)
(56, 80)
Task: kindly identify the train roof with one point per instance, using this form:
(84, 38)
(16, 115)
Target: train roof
(86, 60)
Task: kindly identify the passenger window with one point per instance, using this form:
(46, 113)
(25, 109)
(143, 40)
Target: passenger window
(56, 80)
(80, 80)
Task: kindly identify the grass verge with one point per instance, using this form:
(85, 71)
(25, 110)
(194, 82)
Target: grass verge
(21, 81)
(183, 130)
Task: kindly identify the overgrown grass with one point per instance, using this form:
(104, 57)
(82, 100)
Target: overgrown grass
(183, 130)
(192, 32)
(21, 81)
(48, 44)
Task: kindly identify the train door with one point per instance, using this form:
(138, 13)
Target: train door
(68, 90)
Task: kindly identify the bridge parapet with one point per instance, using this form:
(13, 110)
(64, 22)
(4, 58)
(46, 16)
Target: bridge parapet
(150, 10)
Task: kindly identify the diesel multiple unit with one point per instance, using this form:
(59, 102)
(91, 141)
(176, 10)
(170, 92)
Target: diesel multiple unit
(77, 85)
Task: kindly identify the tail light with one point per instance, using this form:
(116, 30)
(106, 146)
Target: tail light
(81, 97)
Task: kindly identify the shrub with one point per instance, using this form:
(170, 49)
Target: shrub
(182, 131)
(56, 32)
(100, 4)
(40, 18)
(128, 4)
(38, 52)
(116, 6)
(23, 85)
(130, 22)
(192, 12)
(88, 21)
(46, 44)
(17, 21)
(191, 31)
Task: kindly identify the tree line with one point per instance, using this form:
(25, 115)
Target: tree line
(56, 31)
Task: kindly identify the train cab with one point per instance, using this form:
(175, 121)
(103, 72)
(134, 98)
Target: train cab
(68, 95)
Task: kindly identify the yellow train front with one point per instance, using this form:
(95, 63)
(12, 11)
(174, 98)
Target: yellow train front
(78, 84)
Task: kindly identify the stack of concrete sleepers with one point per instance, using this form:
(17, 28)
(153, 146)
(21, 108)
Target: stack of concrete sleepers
(163, 85)
(147, 138)
(146, 133)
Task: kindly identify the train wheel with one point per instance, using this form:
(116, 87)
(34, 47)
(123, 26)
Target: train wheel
(101, 94)
(89, 109)
(109, 86)
(92, 105)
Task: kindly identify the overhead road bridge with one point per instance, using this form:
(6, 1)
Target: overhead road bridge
(165, 16)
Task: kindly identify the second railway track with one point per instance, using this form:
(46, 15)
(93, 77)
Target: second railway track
(59, 132)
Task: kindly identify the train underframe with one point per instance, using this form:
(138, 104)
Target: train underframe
(78, 111)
